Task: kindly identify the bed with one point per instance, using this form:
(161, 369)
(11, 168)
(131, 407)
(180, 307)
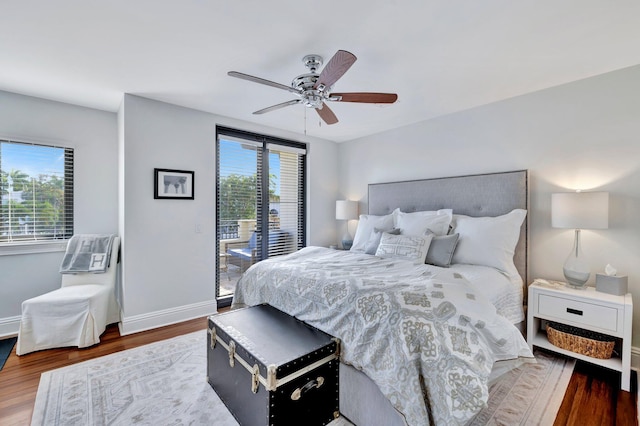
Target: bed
(420, 342)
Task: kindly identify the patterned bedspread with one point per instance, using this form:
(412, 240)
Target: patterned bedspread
(422, 334)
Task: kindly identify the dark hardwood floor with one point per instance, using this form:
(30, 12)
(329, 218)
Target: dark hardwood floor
(21, 374)
(592, 398)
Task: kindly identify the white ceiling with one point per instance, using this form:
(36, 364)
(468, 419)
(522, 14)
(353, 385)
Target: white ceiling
(438, 56)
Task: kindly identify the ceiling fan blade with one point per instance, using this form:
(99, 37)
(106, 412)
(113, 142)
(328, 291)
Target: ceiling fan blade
(278, 106)
(335, 68)
(365, 97)
(326, 114)
(262, 81)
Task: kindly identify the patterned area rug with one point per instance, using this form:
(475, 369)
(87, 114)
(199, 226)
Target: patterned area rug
(163, 383)
(528, 395)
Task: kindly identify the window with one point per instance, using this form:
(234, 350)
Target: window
(260, 202)
(36, 185)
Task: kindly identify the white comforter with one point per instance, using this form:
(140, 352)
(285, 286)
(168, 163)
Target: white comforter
(422, 334)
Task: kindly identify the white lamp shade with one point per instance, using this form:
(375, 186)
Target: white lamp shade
(580, 210)
(346, 210)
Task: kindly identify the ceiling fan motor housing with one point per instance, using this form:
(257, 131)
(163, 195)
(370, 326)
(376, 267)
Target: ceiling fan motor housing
(305, 83)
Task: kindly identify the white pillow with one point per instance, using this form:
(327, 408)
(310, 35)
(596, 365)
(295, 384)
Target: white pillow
(367, 224)
(417, 223)
(489, 241)
(409, 247)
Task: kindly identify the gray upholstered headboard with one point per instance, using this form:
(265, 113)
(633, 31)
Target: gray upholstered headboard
(491, 194)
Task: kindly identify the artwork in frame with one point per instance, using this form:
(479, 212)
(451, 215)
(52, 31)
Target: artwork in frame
(173, 184)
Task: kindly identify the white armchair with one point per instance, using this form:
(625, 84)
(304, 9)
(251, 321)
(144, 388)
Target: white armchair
(76, 314)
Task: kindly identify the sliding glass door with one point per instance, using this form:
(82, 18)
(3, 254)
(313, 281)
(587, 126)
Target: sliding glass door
(260, 203)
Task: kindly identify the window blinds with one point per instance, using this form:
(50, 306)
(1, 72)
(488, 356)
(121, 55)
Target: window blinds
(36, 186)
(261, 189)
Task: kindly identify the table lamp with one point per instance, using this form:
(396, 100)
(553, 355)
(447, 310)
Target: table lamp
(579, 210)
(346, 210)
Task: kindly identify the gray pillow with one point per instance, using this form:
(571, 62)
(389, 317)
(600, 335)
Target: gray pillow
(441, 250)
(374, 241)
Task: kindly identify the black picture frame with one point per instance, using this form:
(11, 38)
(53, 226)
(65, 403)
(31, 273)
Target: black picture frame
(171, 184)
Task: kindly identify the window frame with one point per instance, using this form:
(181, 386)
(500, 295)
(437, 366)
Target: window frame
(53, 244)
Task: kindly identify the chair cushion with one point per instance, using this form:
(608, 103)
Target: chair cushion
(242, 253)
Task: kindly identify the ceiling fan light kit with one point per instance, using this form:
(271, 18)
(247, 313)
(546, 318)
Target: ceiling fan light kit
(314, 89)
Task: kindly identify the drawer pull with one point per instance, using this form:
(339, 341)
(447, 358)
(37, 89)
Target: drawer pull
(574, 311)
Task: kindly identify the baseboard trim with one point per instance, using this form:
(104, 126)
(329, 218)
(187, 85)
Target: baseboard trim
(635, 359)
(9, 326)
(151, 320)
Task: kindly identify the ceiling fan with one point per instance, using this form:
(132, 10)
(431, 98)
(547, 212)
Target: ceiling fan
(314, 89)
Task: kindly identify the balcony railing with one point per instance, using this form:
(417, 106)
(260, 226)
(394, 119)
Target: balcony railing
(229, 229)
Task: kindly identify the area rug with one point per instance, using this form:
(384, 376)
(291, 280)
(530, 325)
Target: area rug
(530, 394)
(6, 346)
(164, 383)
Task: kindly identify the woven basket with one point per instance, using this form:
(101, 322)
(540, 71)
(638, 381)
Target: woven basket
(581, 341)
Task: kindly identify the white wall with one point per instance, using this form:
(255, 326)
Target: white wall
(168, 272)
(167, 266)
(582, 135)
(168, 269)
(93, 135)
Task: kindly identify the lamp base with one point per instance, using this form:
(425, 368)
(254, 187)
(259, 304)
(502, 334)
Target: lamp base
(576, 268)
(576, 279)
(347, 240)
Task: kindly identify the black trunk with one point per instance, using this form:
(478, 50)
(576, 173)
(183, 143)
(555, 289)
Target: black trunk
(282, 349)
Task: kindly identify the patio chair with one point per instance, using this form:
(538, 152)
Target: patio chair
(243, 254)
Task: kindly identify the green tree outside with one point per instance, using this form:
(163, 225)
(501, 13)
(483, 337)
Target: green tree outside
(38, 212)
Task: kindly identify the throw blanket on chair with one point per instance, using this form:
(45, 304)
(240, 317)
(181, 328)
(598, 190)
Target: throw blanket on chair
(87, 253)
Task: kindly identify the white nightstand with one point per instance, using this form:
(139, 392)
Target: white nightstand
(584, 308)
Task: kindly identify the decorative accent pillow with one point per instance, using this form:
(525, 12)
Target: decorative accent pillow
(441, 250)
(489, 241)
(367, 224)
(376, 235)
(409, 247)
(417, 223)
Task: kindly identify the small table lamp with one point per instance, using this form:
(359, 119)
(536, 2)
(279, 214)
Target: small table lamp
(579, 210)
(346, 210)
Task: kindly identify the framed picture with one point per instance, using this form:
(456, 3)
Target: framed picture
(173, 184)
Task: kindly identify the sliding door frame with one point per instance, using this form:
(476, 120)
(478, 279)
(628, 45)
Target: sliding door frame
(262, 214)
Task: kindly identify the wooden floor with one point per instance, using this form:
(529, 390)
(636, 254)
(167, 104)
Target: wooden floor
(592, 398)
(21, 374)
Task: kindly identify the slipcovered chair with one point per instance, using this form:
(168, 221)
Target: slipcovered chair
(76, 314)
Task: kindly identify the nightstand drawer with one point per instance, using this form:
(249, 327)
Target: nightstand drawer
(602, 317)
